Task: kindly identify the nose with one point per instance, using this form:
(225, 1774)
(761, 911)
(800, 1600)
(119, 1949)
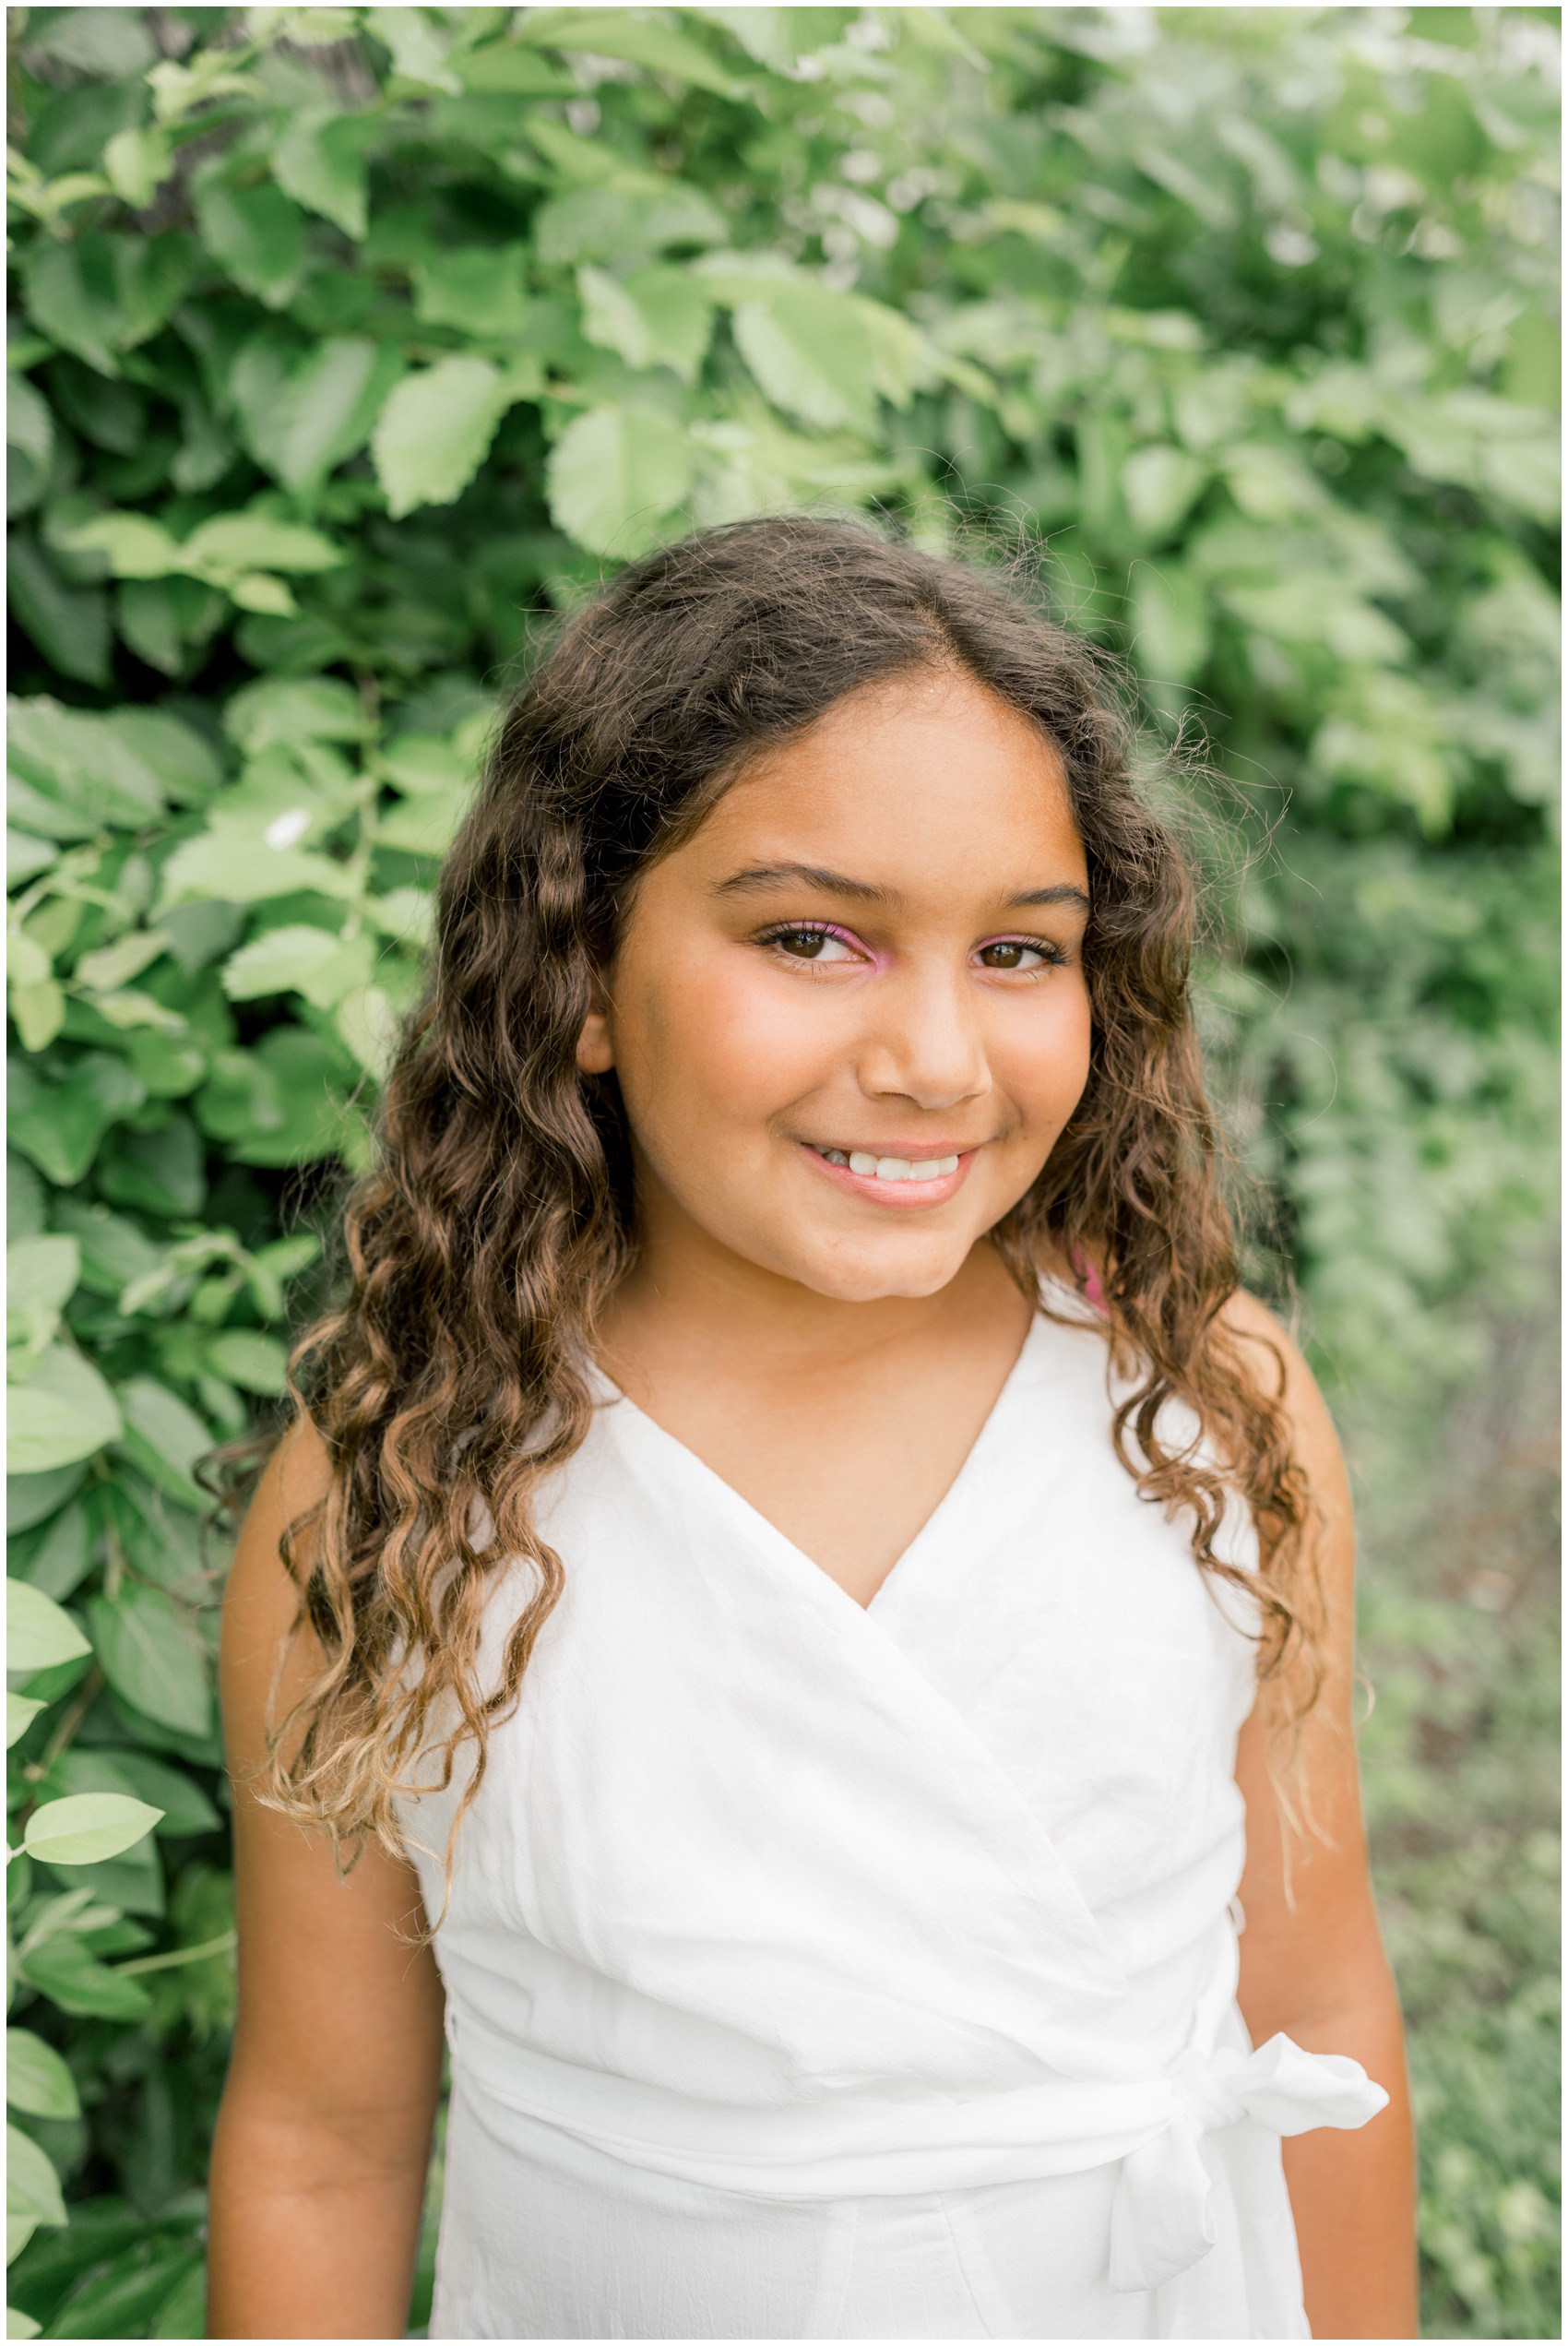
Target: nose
(926, 1045)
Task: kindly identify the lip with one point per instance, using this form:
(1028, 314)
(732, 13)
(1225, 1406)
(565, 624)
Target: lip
(900, 1196)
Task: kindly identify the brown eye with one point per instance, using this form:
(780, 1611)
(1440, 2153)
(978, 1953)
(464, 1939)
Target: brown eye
(1011, 953)
(811, 944)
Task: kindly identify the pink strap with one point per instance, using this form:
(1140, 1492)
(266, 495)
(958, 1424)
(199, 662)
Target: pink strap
(1090, 1276)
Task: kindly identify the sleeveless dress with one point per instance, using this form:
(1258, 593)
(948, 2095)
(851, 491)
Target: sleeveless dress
(821, 1971)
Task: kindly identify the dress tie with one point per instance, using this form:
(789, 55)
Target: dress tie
(1161, 2221)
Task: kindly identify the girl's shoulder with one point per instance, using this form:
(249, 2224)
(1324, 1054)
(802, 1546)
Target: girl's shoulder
(261, 1596)
(1266, 1351)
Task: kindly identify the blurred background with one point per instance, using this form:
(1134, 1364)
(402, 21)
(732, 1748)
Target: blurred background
(347, 346)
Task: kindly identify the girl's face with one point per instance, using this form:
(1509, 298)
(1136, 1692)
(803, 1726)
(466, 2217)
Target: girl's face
(848, 1014)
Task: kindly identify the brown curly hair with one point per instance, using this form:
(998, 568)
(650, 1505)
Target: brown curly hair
(481, 1250)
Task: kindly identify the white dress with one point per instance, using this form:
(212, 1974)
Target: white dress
(814, 1971)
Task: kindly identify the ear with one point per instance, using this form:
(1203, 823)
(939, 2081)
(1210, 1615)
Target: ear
(596, 1047)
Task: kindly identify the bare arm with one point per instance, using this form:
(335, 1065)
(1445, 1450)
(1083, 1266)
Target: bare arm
(318, 2168)
(1314, 1967)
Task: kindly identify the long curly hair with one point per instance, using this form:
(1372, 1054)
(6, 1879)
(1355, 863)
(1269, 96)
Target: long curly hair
(481, 1250)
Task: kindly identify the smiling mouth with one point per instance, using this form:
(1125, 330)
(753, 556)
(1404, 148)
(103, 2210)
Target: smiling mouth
(870, 1167)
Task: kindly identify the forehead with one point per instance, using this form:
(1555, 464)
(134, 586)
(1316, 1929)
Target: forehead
(920, 781)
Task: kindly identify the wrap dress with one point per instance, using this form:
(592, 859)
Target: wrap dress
(821, 1971)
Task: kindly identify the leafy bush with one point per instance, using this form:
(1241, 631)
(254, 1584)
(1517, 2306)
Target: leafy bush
(351, 345)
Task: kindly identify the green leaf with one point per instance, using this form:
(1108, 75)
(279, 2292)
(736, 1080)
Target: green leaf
(43, 815)
(1169, 622)
(99, 295)
(83, 764)
(586, 161)
(435, 431)
(478, 289)
(38, 1635)
(123, 2302)
(615, 33)
(256, 1364)
(185, 766)
(131, 1883)
(28, 425)
(658, 316)
(290, 710)
(167, 1066)
(69, 625)
(246, 871)
(182, 2313)
(290, 1110)
(598, 223)
(158, 1173)
(72, 1977)
(150, 1656)
(88, 1827)
(25, 857)
(810, 352)
(286, 1258)
(133, 546)
(320, 162)
(422, 825)
(39, 1009)
(62, 1556)
(278, 959)
(617, 477)
(419, 47)
(94, 41)
(32, 2188)
(112, 966)
(234, 542)
(186, 1811)
(25, 1210)
(144, 617)
(257, 233)
(41, 1278)
(185, 1807)
(20, 1712)
(1159, 485)
(65, 1410)
(164, 1438)
(37, 2080)
(136, 163)
(510, 69)
(59, 1126)
(321, 410)
(424, 766)
(32, 1498)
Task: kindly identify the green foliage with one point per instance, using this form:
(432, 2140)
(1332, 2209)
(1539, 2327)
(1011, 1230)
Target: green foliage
(350, 346)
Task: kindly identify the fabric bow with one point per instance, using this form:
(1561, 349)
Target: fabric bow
(1161, 2221)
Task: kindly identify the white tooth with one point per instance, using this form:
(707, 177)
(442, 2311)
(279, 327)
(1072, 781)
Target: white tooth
(946, 1165)
(861, 1161)
(927, 1170)
(835, 1156)
(893, 1169)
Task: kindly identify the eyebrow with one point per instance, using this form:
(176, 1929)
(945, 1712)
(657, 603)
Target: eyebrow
(760, 877)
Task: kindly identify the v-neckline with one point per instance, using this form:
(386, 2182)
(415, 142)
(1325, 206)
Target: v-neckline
(981, 1444)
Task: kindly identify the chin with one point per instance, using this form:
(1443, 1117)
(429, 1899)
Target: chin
(872, 1276)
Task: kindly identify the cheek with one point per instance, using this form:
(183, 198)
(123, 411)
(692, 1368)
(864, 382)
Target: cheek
(1041, 1057)
(717, 1040)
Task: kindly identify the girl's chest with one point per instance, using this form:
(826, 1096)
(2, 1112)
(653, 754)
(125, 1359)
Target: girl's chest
(711, 1727)
(852, 1462)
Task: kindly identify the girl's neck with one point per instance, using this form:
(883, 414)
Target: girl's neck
(689, 1299)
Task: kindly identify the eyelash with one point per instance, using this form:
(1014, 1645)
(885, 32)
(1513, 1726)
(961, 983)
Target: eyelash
(1050, 955)
(819, 929)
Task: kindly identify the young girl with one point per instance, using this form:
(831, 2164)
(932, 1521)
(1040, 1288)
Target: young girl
(798, 1576)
